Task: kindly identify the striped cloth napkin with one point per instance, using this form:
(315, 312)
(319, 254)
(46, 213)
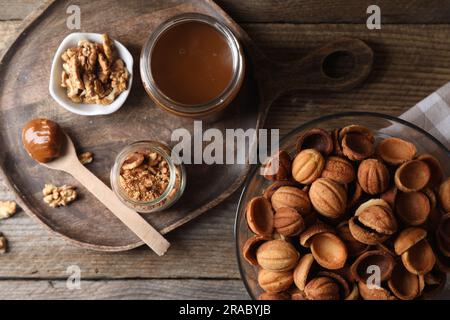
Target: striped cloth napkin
(433, 114)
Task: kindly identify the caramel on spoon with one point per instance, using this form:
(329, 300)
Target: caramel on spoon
(47, 143)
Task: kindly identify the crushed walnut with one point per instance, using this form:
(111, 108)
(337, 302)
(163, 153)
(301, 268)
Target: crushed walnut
(59, 196)
(92, 73)
(86, 157)
(3, 244)
(144, 176)
(7, 209)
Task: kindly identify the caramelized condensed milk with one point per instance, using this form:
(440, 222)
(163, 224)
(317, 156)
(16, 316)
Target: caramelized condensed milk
(192, 65)
(43, 139)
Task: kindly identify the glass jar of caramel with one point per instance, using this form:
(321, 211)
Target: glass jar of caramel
(146, 177)
(192, 65)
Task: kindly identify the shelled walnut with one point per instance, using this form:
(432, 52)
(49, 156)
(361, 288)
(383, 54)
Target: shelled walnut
(59, 196)
(363, 204)
(7, 209)
(86, 157)
(92, 73)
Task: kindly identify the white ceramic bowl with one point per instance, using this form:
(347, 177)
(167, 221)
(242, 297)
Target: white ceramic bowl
(58, 93)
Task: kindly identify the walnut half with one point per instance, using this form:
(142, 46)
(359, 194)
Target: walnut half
(59, 196)
(7, 209)
(86, 157)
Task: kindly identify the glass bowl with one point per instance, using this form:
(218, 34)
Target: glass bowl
(382, 126)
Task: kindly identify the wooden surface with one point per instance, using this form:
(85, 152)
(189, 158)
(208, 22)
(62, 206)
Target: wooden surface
(139, 119)
(68, 162)
(30, 57)
(411, 60)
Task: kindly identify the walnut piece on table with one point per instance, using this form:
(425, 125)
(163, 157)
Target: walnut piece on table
(3, 244)
(7, 209)
(86, 157)
(59, 196)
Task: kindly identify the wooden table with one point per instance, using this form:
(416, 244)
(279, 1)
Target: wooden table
(412, 59)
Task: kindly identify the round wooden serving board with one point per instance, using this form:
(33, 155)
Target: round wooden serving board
(24, 77)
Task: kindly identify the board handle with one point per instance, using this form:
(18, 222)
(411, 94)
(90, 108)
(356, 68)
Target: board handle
(309, 74)
(129, 217)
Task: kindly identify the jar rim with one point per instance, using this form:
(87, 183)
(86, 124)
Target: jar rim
(191, 109)
(157, 147)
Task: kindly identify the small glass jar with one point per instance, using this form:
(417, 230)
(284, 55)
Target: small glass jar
(175, 186)
(198, 111)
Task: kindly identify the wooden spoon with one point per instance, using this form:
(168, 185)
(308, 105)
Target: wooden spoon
(68, 162)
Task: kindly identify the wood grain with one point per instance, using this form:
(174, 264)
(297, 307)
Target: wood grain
(206, 246)
(17, 10)
(411, 62)
(125, 289)
(298, 11)
(202, 249)
(88, 223)
(336, 11)
(139, 119)
(7, 32)
(395, 85)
